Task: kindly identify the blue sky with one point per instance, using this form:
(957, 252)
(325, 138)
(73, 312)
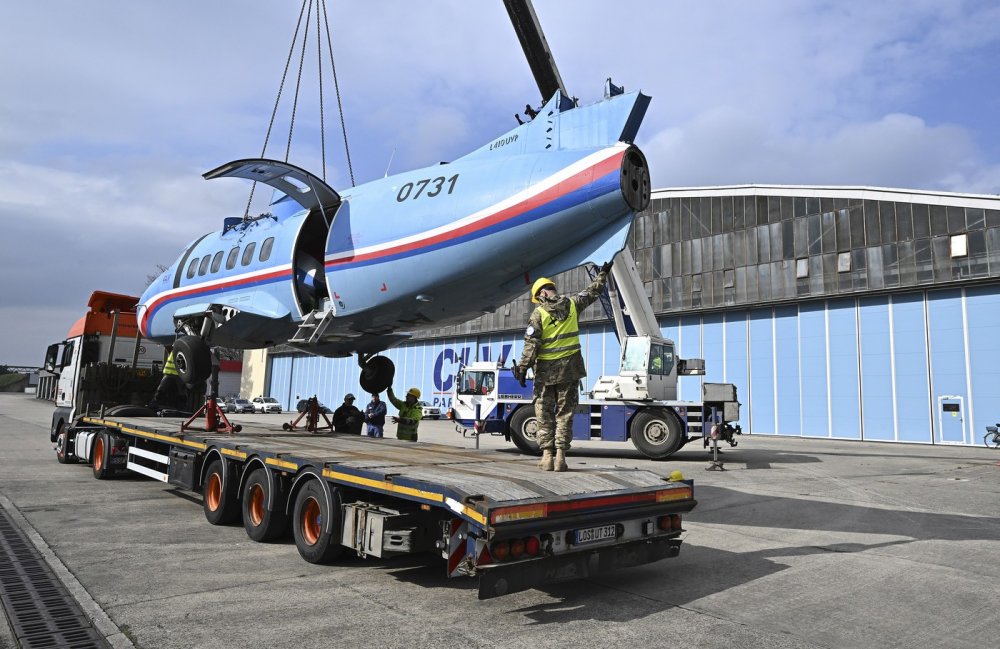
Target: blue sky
(113, 109)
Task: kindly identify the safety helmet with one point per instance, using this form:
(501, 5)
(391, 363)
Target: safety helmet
(537, 286)
(415, 392)
(349, 397)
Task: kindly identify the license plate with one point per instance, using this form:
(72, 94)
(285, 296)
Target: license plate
(594, 534)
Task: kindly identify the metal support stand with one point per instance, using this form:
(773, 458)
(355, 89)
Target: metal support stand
(215, 418)
(716, 464)
(311, 415)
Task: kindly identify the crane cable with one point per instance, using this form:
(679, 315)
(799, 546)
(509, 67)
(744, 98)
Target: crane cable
(303, 11)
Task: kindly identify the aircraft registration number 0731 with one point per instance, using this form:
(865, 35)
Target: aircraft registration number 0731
(437, 184)
(594, 534)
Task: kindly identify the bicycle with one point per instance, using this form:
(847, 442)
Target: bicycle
(992, 436)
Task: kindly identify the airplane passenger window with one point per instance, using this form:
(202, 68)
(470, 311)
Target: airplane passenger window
(265, 249)
(192, 267)
(234, 254)
(203, 268)
(217, 262)
(248, 253)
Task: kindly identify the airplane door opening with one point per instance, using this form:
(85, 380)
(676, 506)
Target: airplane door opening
(307, 260)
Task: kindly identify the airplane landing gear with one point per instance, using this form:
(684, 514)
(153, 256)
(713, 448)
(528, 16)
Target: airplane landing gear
(193, 359)
(376, 373)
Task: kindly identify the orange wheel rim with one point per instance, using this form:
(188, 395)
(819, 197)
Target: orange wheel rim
(213, 494)
(312, 517)
(256, 505)
(99, 454)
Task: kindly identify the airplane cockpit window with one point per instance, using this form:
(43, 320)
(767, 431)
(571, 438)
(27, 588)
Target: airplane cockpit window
(265, 249)
(248, 253)
(192, 268)
(217, 262)
(203, 268)
(234, 254)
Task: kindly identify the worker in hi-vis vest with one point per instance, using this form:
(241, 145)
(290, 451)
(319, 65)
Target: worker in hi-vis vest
(171, 389)
(409, 416)
(552, 347)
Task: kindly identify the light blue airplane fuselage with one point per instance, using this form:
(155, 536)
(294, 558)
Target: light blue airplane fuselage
(425, 248)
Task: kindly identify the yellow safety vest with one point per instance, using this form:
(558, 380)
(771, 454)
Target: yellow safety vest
(409, 419)
(559, 339)
(169, 367)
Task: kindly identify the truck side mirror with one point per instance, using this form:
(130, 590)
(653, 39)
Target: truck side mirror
(51, 354)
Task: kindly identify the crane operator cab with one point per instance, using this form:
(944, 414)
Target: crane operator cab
(649, 370)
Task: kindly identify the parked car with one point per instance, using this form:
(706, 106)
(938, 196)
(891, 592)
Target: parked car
(238, 405)
(301, 407)
(266, 404)
(428, 411)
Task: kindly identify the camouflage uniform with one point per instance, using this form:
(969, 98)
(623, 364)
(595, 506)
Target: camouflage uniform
(556, 382)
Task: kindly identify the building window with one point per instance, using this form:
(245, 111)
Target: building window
(217, 262)
(248, 253)
(234, 254)
(801, 268)
(844, 262)
(265, 249)
(960, 245)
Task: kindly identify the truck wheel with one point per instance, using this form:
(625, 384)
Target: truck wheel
(262, 525)
(193, 359)
(309, 517)
(524, 430)
(219, 501)
(656, 433)
(102, 457)
(63, 453)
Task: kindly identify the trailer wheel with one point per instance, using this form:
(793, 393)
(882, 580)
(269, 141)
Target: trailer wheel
(309, 518)
(102, 457)
(193, 359)
(524, 430)
(219, 501)
(262, 525)
(63, 454)
(656, 433)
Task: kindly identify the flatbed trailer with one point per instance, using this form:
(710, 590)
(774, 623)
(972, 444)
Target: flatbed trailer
(487, 514)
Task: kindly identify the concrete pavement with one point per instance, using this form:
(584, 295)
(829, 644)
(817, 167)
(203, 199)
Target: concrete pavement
(801, 543)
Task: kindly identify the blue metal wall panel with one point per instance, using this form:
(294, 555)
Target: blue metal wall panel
(761, 395)
(689, 346)
(909, 348)
(815, 392)
(983, 313)
(947, 343)
(736, 370)
(844, 389)
(786, 378)
(713, 351)
(877, 405)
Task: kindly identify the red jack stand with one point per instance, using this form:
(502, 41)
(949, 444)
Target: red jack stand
(215, 419)
(312, 415)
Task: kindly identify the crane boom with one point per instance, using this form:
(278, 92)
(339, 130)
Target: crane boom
(536, 48)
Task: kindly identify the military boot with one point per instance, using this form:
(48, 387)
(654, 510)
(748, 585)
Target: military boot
(545, 464)
(560, 463)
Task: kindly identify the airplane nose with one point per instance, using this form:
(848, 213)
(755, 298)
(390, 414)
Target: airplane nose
(635, 179)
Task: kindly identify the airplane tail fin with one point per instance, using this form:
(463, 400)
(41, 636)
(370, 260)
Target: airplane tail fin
(562, 125)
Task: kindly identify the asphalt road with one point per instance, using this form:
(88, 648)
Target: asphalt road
(800, 543)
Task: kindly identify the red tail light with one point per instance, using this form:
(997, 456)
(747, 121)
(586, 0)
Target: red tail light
(485, 558)
(531, 546)
(671, 523)
(516, 548)
(501, 550)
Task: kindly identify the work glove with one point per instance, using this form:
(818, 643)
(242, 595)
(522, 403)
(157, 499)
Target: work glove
(520, 375)
(607, 267)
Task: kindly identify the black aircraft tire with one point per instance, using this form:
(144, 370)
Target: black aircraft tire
(377, 374)
(193, 359)
(524, 430)
(219, 499)
(63, 453)
(130, 411)
(656, 433)
(309, 517)
(262, 525)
